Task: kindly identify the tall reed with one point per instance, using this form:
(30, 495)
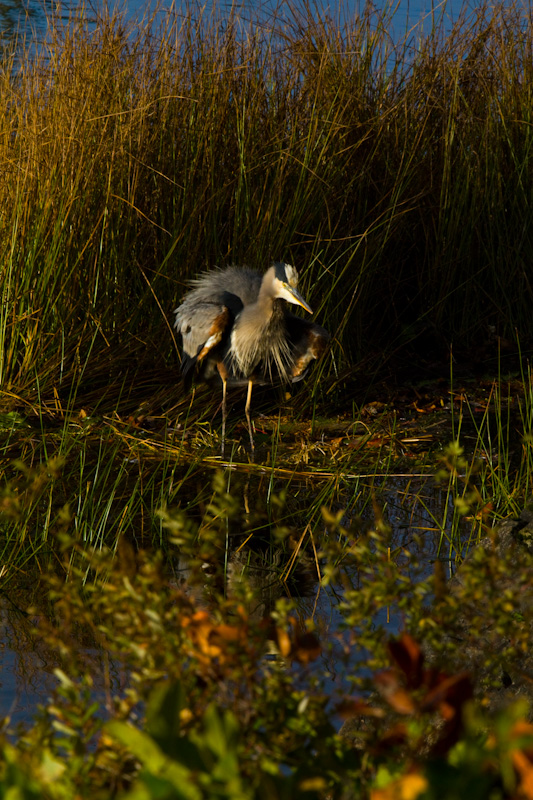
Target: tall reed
(394, 175)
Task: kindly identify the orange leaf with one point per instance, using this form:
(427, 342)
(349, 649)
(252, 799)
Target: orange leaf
(524, 767)
(407, 788)
(284, 642)
(353, 707)
(395, 695)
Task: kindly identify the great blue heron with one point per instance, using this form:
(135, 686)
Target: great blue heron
(235, 325)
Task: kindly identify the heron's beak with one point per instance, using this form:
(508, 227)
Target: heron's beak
(294, 296)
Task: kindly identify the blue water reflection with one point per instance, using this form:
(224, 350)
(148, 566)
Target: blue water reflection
(28, 18)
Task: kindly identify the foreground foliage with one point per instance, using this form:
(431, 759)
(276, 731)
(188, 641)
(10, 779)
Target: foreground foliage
(177, 689)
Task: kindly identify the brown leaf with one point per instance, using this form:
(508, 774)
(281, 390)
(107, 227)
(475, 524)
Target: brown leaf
(396, 696)
(395, 735)
(306, 648)
(408, 656)
(449, 693)
(354, 707)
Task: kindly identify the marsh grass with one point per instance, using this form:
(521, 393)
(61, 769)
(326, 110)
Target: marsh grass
(135, 156)
(103, 480)
(103, 477)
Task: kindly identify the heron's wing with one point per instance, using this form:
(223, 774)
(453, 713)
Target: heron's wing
(220, 326)
(207, 314)
(204, 328)
(232, 286)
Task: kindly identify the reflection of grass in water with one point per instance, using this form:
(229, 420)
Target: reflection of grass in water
(101, 478)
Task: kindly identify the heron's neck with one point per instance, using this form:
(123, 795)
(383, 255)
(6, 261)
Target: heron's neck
(266, 307)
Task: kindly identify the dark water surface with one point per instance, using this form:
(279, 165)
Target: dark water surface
(411, 507)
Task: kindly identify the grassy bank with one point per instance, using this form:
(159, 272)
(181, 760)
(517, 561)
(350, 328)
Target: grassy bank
(395, 177)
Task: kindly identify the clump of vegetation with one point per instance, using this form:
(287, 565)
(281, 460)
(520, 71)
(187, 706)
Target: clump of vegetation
(135, 156)
(175, 689)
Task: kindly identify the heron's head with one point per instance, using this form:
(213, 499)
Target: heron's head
(283, 284)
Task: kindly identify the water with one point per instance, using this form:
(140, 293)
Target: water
(410, 508)
(26, 666)
(28, 17)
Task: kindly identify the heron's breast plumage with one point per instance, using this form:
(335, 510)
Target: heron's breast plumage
(259, 346)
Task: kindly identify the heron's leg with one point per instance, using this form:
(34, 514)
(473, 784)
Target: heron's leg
(224, 414)
(247, 411)
(222, 371)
